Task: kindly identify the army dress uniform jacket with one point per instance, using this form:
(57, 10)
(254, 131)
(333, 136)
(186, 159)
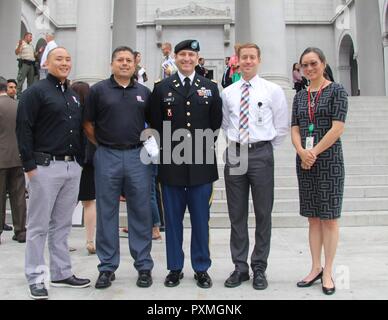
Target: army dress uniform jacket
(200, 109)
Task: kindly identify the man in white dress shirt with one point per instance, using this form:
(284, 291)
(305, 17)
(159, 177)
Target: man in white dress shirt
(255, 121)
(51, 44)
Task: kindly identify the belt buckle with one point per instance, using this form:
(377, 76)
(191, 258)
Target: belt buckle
(68, 158)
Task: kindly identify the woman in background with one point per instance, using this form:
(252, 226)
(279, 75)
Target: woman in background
(87, 193)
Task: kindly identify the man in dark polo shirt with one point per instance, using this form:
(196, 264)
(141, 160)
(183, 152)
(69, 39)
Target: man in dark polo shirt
(49, 133)
(114, 119)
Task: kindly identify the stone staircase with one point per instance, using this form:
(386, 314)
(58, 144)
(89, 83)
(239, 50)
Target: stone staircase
(365, 144)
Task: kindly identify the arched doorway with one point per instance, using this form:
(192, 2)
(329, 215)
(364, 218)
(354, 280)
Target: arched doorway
(348, 66)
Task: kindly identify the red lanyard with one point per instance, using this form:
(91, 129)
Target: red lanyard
(313, 107)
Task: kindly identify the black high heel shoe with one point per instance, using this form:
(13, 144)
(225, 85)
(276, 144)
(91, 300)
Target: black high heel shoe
(306, 284)
(328, 291)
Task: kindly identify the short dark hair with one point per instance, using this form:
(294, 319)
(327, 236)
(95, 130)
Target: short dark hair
(26, 34)
(3, 87)
(12, 81)
(121, 49)
(315, 50)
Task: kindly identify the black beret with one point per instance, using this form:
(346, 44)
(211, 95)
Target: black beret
(192, 45)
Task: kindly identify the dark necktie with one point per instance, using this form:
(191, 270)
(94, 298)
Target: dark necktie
(187, 86)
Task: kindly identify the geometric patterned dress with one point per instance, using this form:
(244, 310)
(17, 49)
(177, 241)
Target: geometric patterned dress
(321, 189)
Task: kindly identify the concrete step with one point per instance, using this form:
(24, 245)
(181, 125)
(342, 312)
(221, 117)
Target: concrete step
(292, 193)
(294, 220)
(351, 158)
(292, 205)
(350, 180)
(287, 170)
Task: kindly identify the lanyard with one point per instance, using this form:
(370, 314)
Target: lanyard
(312, 107)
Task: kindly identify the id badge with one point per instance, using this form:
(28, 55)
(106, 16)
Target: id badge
(260, 120)
(310, 143)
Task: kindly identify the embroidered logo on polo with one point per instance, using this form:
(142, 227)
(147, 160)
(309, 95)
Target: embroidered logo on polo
(139, 99)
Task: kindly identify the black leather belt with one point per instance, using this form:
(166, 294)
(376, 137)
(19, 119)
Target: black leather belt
(124, 146)
(255, 145)
(63, 158)
(29, 62)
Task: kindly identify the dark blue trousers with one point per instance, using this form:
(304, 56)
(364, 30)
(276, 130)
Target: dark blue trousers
(115, 171)
(175, 201)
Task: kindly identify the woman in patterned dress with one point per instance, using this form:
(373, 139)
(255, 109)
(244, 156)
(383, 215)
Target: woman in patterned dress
(318, 121)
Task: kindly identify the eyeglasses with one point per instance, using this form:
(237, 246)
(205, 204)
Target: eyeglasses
(312, 64)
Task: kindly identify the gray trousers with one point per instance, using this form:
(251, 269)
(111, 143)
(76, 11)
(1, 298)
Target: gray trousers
(260, 178)
(53, 197)
(122, 172)
(25, 71)
(12, 181)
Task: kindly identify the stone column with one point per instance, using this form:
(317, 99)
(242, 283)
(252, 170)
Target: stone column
(263, 22)
(124, 23)
(10, 17)
(243, 27)
(94, 37)
(370, 49)
(385, 44)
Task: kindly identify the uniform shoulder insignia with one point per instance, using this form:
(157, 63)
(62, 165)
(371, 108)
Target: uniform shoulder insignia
(214, 81)
(157, 81)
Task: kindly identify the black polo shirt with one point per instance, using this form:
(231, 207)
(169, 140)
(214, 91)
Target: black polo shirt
(118, 113)
(49, 120)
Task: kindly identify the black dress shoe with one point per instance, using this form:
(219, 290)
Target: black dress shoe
(105, 279)
(38, 291)
(7, 227)
(328, 291)
(259, 280)
(173, 279)
(21, 237)
(306, 284)
(72, 282)
(144, 280)
(203, 280)
(236, 278)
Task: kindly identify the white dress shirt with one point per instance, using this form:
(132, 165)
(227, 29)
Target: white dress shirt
(183, 77)
(50, 46)
(276, 118)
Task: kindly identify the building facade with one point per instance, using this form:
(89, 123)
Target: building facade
(352, 33)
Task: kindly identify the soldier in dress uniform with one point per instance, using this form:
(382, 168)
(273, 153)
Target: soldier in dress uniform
(191, 104)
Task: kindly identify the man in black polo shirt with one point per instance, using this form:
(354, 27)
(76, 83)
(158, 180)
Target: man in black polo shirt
(114, 119)
(49, 133)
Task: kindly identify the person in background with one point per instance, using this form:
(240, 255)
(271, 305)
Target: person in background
(12, 88)
(200, 68)
(168, 67)
(87, 190)
(11, 170)
(51, 44)
(140, 72)
(26, 58)
(233, 61)
(297, 78)
(226, 78)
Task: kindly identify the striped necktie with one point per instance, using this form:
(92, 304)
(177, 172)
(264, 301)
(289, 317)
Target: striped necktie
(244, 114)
